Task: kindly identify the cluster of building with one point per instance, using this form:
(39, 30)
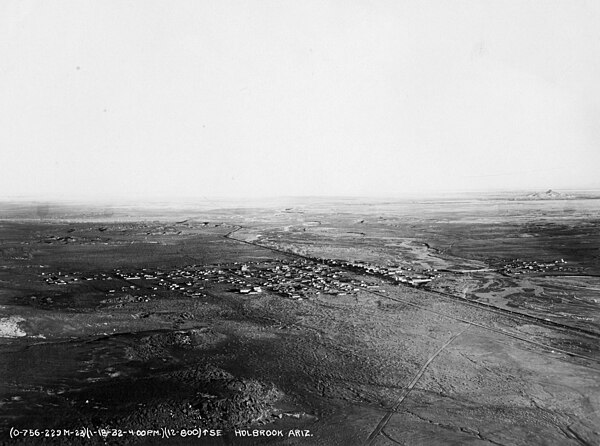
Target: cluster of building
(297, 278)
(519, 266)
(188, 281)
(60, 278)
(405, 275)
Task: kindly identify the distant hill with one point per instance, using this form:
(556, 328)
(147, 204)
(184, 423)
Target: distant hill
(548, 195)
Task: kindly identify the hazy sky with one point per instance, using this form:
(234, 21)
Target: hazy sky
(247, 98)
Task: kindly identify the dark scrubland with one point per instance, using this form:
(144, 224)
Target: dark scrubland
(300, 318)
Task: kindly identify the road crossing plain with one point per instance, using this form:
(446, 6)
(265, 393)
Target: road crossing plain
(294, 316)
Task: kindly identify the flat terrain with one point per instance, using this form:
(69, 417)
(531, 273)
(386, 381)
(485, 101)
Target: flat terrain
(331, 322)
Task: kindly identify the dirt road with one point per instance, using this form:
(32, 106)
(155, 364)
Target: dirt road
(382, 364)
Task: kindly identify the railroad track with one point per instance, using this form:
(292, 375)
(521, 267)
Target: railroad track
(540, 348)
(472, 303)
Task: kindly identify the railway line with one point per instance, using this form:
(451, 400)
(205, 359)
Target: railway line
(544, 349)
(447, 296)
(474, 304)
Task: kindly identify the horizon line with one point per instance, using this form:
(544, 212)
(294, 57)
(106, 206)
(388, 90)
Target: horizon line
(225, 198)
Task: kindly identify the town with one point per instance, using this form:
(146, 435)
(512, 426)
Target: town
(520, 266)
(298, 278)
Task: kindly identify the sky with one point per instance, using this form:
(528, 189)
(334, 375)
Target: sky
(143, 99)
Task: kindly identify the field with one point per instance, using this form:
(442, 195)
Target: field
(314, 321)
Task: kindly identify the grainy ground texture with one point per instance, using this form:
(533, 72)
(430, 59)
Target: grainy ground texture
(331, 322)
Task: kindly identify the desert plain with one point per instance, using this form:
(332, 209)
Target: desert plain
(338, 321)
